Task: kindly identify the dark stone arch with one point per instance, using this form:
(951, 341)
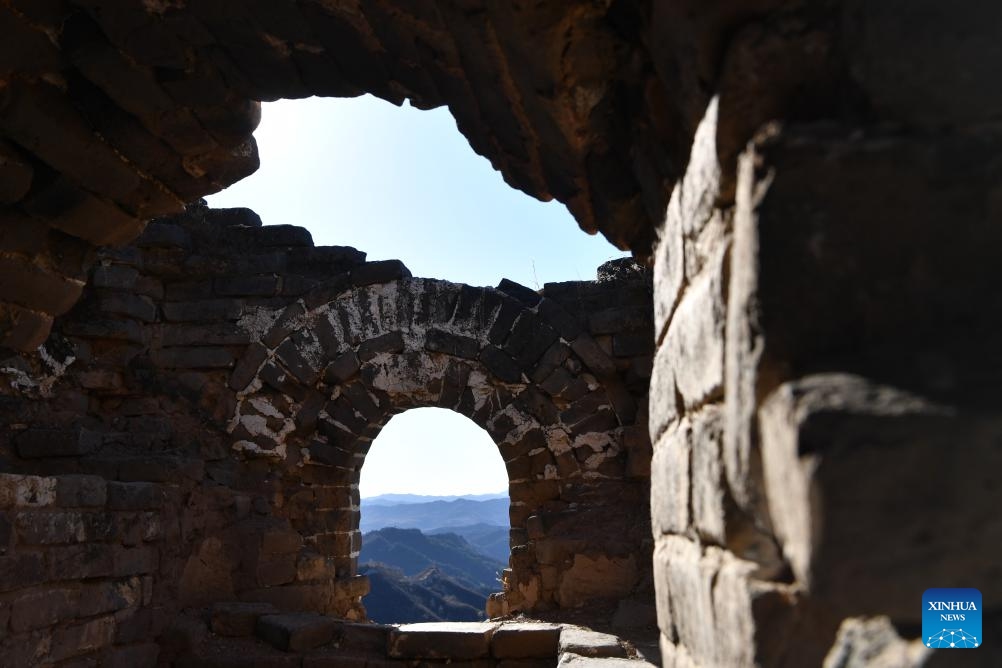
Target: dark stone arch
(329, 375)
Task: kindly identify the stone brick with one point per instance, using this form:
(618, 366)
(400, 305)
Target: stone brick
(382, 271)
(593, 356)
(501, 364)
(104, 597)
(36, 527)
(247, 286)
(343, 368)
(26, 491)
(587, 643)
(134, 561)
(295, 632)
(527, 296)
(80, 491)
(507, 313)
(632, 345)
(164, 235)
(129, 305)
(299, 364)
(82, 638)
(525, 641)
(208, 334)
(247, 366)
(23, 329)
(116, 277)
(131, 657)
(238, 619)
(696, 335)
(124, 330)
(391, 342)
(279, 235)
(451, 344)
(41, 608)
(79, 562)
(562, 321)
(817, 434)
(670, 480)
(206, 310)
(443, 640)
(195, 357)
(40, 443)
(134, 496)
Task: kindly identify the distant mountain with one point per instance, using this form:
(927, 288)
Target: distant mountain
(487, 539)
(431, 596)
(435, 514)
(414, 552)
(400, 499)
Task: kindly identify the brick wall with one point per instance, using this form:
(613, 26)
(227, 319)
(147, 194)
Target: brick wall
(243, 372)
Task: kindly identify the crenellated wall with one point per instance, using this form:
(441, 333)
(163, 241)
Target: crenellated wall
(236, 375)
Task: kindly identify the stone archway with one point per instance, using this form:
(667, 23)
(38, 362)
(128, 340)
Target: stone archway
(332, 369)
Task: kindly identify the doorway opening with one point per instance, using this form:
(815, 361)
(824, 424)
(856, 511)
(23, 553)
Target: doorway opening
(434, 519)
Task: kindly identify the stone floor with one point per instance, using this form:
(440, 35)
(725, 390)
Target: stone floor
(252, 634)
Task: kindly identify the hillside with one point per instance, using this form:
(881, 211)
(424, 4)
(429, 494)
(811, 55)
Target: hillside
(413, 552)
(435, 514)
(486, 539)
(430, 596)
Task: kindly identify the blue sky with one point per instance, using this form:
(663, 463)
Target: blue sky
(397, 182)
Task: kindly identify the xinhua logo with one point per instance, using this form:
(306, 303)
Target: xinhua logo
(951, 618)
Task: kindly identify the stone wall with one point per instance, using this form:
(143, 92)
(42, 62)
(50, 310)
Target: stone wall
(823, 403)
(232, 376)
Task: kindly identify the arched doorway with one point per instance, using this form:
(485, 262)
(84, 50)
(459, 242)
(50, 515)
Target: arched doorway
(337, 365)
(434, 519)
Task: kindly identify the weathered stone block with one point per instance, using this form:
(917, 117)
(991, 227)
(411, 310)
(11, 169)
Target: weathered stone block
(382, 271)
(80, 491)
(670, 480)
(116, 277)
(343, 368)
(134, 496)
(391, 342)
(526, 295)
(588, 643)
(295, 632)
(695, 337)
(850, 517)
(501, 364)
(75, 562)
(82, 638)
(207, 310)
(237, 619)
(590, 578)
(445, 640)
(42, 608)
(451, 344)
(129, 305)
(40, 443)
(194, 357)
(525, 641)
(247, 366)
(247, 286)
(135, 560)
(145, 654)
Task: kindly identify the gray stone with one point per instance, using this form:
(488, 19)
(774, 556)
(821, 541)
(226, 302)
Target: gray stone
(874, 643)
(525, 640)
(588, 643)
(237, 619)
(819, 433)
(295, 632)
(441, 640)
(695, 338)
